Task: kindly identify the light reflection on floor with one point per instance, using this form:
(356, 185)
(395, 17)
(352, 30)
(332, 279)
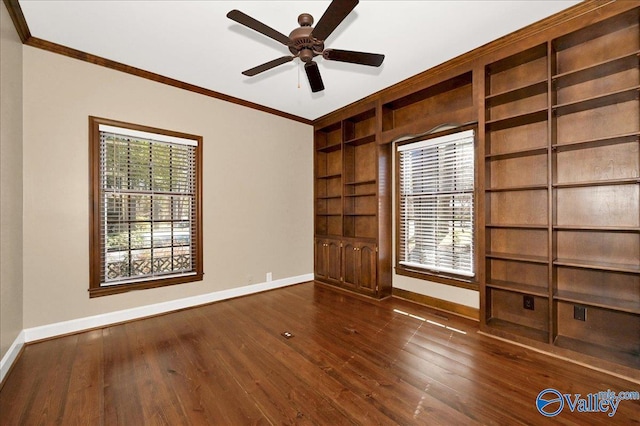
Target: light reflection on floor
(398, 311)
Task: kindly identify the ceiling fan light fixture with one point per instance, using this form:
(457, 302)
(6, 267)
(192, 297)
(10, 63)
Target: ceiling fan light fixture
(306, 55)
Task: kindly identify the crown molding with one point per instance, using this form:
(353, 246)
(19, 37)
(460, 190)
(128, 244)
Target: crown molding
(20, 23)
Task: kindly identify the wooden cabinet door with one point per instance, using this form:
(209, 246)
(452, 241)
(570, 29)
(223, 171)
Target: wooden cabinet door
(350, 264)
(367, 260)
(321, 255)
(334, 260)
(359, 264)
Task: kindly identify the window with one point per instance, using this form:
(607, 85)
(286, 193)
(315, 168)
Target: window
(146, 207)
(435, 206)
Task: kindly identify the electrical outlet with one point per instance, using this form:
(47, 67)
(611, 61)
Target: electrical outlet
(269, 276)
(579, 313)
(528, 302)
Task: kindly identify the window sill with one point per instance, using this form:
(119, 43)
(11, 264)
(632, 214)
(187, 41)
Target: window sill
(451, 280)
(142, 285)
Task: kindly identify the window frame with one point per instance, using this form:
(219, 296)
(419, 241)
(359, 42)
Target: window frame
(95, 249)
(467, 282)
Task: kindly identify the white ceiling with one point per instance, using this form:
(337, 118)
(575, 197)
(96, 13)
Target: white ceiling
(194, 41)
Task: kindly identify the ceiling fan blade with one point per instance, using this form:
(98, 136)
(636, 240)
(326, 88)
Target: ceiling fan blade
(267, 66)
(362, 58)
(313, 74)
(335, 13)
(258, 26)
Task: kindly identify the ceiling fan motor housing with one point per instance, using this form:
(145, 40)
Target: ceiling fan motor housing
(302, 43)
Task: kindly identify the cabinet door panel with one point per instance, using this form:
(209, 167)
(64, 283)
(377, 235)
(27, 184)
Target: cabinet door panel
(321, 258)
(367, 270)
(350, 277)
(333, 260)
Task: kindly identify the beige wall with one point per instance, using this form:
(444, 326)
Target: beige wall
(257, 183)
(10, 182)
(458, 295)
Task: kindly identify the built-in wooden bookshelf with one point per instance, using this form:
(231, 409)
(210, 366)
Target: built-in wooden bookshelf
(328, 181)
(596, 189)
(347, 205)
(562, 192)
(517, 194)
(558, 182)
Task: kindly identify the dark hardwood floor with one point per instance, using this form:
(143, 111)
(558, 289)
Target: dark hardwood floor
(350, 361)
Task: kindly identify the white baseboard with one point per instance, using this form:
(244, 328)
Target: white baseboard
(12, 354)
(87, 323)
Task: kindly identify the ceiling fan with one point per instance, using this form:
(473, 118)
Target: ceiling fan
(306, 42)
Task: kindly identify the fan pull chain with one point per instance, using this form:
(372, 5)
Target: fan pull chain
(299, 75)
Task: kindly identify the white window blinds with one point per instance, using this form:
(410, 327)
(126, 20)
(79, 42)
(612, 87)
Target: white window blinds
(147, 205)
(436, 200)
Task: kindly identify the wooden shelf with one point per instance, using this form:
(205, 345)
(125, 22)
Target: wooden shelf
(516, 188)
(328, 139)
(518, 257)
(516, 153)
(359, 214)
(361, 141)
(520, 58)
(332, 176)
(517, 120)
(596, 228)
(519, 330)
(360, 239)
(608, 182)
(597, 70)
(328, 214)
(590, 143)
(366, 194)
(516, 94)
(328, 197)
(518, 288)
(601, 266)
(588, 348)
(330, 148)
(361, 182)
(616, 97)
(516, 226)
(629, 306)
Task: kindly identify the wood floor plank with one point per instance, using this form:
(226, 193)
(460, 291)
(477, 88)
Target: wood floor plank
(84, 404)
(22, 397)
(351, 361)
(260, 351)
(49, 395)
(338, 398)
(379, 388)
(217, 393)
